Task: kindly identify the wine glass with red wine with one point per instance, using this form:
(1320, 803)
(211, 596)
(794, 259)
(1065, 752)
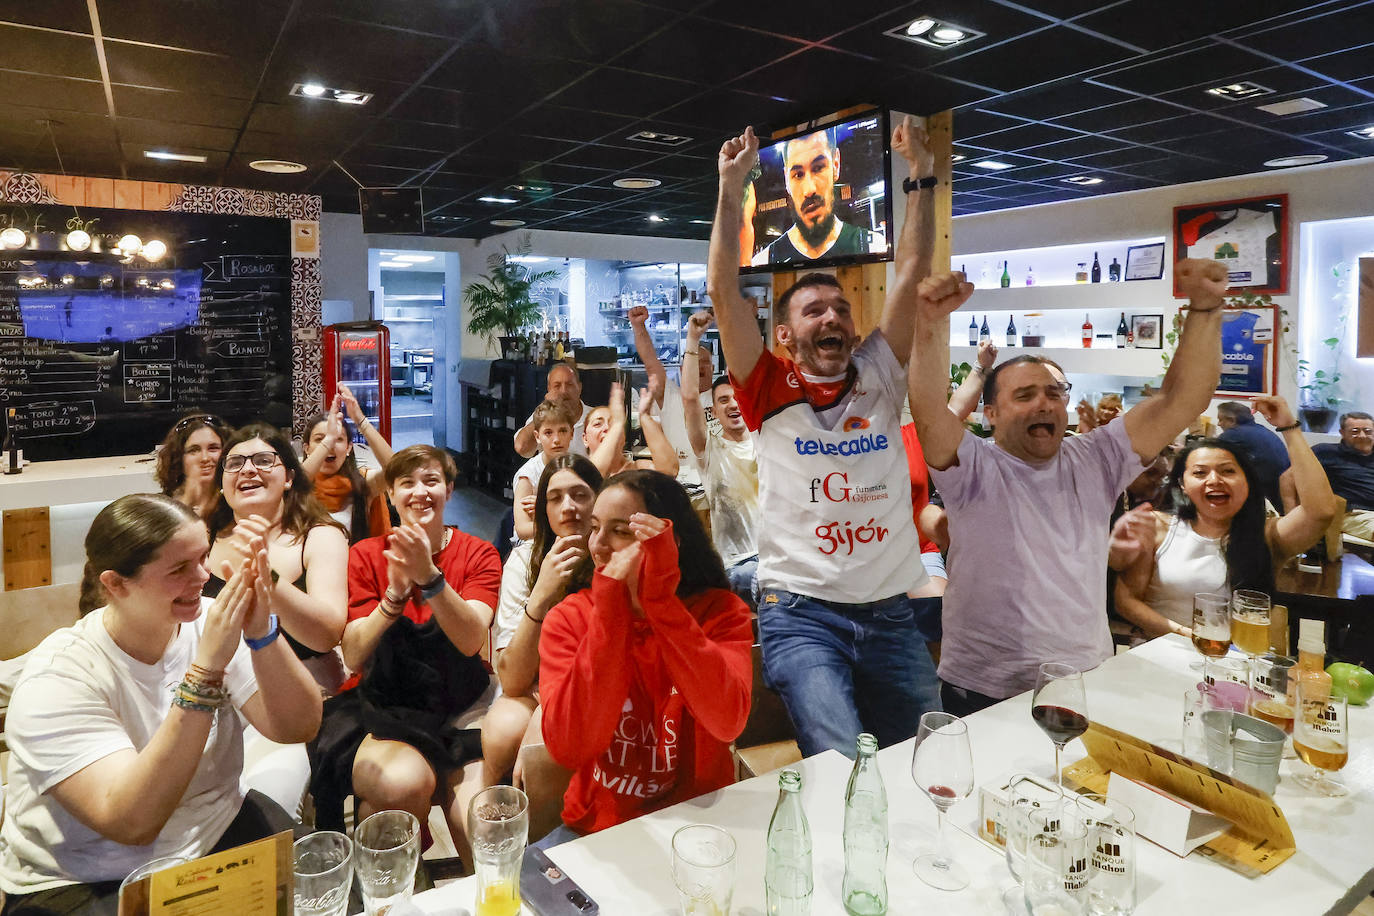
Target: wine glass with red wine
(1060, 707)
(942, 765)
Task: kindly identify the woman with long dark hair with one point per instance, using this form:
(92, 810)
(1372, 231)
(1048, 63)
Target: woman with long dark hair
(187, 459)
(644, 677)
(124, 728)
(265, 494)
(1220, 539)
(353, 496)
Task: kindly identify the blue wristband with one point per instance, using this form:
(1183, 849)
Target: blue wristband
(432, 588)
(273, 631)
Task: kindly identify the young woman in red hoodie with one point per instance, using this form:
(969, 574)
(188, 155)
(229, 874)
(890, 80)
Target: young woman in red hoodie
(645, 676)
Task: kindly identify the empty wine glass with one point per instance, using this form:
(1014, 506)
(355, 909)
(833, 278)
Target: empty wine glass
(1060, 707)
(942, 766)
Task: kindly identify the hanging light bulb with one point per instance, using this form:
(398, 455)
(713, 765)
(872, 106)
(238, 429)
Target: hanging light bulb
(130, 244)
(13, 238)
(167, 284)
(78, 240)
(68, 279)
(154, 249)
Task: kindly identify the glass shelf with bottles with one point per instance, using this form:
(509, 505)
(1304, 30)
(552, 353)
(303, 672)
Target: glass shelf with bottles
(1104, 341)
(1088, 266)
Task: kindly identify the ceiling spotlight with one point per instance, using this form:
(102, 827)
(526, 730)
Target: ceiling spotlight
(701, 222)
(508, 223)
(78, 240)
(130, 244)
(68, 279)
(992, 165)
(658, 138)
(313, 90)
(1363, 133)
(106, 281)
(530, 188)
(655, 218)
(173, 157)
(933, 33)
(1241, 90)
(316, 91)
(277, 166)
(636, 184)
(1284, 162)
(154, 250)
(1083, 179)
(497, 200)
(957, 157)
(13, 238)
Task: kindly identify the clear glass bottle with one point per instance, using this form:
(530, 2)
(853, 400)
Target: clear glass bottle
(865, 835)
(787, 877)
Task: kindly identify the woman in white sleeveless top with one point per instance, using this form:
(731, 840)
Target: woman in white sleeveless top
(1220, 539)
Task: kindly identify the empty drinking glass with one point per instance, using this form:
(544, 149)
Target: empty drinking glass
(499, 824)
(388, 850)
(1111, 855)
(1030, 810)
(704, 869)
(1049, 857)
(324, 873)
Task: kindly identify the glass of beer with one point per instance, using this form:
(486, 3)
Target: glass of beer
(1321, 736)
(1211, 625)
(1250, 621)
(499, 825)
(1269, 700)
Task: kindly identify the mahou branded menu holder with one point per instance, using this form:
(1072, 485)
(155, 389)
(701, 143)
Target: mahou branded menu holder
(358, 355)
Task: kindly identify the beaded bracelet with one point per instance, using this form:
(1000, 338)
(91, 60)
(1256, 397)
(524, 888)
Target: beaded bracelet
(207, 675)
(198, 697)
(390, 615)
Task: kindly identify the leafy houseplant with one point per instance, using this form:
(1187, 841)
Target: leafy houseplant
(499, 303)
(958, 372)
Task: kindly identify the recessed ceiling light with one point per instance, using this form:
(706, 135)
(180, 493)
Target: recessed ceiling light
(1284, 162)
(1083, 179)
(1292, 106)
(1240, 90)
(498, 200)
(508, 223)
(701, 222)
(530, 188)
(1363, 133)
(957, 157)
(992, 165)
(414, 258)
(636, 184)
(316, 91)
(933, 33)
(173, 157)
(658, 138)
(277, 166)
(655, 218)
(392, 264)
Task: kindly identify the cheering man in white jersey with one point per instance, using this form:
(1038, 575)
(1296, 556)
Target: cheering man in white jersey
(837, 545)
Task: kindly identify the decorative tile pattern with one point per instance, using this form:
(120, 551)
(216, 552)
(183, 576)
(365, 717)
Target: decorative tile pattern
(306, 374)
(24, 188)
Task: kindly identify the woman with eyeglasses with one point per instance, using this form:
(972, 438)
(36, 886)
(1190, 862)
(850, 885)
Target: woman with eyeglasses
(1219, 539)
(265, 494)
(353, 496)
(187, 459)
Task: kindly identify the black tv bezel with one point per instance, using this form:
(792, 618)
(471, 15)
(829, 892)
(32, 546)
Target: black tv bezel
(824, 263)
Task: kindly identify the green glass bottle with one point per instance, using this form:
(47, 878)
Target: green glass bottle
(865, 835)
(787, 875)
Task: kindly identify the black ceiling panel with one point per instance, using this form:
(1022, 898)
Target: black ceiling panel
(1025, 62)
(625, 92)
(219, 26)
(998, 22)
(1185, 126)
(813, 23)
(68, 15)
(58, 93)
(136, 65)
(1315, 35)
(1087, 145)
(1355, 64)
(1123, 114)
(1056, 101)
(1025, 135)
(705, 52)
(33, 51)
(1159, 24)
(1213, 64)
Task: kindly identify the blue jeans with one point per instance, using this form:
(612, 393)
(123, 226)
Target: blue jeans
(843, 669)
(741, 576)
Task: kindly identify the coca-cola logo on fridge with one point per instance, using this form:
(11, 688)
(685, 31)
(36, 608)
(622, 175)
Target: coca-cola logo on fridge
(358, 343)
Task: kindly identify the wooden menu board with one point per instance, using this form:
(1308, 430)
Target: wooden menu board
(1260, 838)
(100, 354)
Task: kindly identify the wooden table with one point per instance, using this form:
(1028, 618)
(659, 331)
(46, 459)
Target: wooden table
(1342, 594)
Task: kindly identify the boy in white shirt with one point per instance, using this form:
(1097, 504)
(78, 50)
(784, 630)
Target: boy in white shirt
(553, 430)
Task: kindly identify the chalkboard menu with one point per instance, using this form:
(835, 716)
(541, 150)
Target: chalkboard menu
(100, 352)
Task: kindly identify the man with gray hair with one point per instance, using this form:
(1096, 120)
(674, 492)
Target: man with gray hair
(1263, 446)
(1349, 465)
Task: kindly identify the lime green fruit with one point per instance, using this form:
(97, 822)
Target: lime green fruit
(1354, 683)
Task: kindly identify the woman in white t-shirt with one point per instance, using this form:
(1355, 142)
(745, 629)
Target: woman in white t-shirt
(124, 729)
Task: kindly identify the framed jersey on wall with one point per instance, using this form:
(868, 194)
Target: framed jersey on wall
(1250, 236)
(1249, 351)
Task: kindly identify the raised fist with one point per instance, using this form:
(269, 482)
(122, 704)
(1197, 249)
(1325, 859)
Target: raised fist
(911, 140)
(738, 155)
(1203, 281)
(639, 316)
(941, 294)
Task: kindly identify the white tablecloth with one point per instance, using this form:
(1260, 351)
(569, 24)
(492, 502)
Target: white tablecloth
(627, 869)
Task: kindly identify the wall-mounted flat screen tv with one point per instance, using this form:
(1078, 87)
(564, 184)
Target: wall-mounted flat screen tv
(821, 198)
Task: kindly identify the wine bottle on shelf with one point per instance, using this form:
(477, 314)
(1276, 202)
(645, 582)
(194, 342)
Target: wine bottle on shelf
(11, 443)
(1122, 332)
(972, 331)
(1097, 269)
(984, 333)
(1011, 330)
(1087, 332)
(964, 270)
(1030, 276)
(1006, 275)
(1114, 271)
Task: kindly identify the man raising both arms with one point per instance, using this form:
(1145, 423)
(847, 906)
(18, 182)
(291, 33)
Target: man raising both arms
(1027, 508)
(837, 545)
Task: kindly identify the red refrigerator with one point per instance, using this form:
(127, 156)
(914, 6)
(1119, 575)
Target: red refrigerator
(358, 355)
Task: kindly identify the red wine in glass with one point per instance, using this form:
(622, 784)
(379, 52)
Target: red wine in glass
(938, 792)
(1060, 707)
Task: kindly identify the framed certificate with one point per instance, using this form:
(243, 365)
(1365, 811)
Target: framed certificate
(1148, 331)
(1145, 262)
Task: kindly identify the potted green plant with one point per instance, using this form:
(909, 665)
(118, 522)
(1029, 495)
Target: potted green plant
(1317, 399)
(499, 303)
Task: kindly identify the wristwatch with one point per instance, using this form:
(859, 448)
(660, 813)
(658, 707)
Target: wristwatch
(912, 184)
(262, 642)
(432, 588)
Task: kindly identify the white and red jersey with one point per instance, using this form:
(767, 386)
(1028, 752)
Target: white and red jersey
(833, 478)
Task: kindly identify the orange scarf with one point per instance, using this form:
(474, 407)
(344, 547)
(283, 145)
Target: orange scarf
(334, 492)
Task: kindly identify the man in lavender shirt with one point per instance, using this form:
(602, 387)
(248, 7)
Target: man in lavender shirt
(1028, 510)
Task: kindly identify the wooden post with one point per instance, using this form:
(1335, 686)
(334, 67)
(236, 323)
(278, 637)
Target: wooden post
(28, 548)
(940, 127)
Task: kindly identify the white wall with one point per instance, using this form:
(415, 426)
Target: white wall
(1315, 193)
